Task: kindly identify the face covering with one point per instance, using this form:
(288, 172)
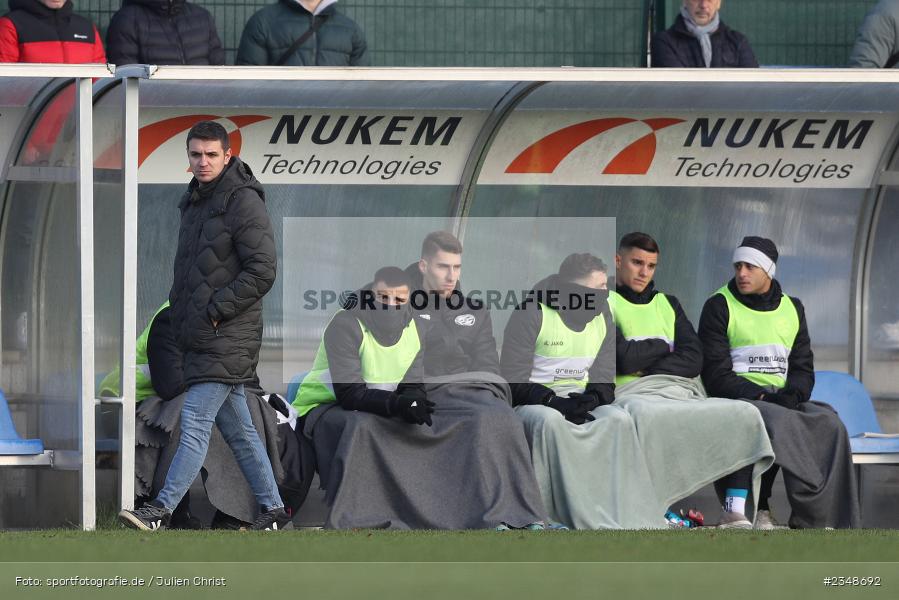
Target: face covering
(387, 321)
(582, 304)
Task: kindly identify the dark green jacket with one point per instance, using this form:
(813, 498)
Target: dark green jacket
(271, 31)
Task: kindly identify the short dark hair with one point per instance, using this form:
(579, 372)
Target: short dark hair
(576, 266)
(209, 131)
(440, 240)
(392, 276)
(638, 239)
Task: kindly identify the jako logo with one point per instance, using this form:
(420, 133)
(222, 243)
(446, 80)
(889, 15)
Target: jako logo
(156, 134)
(544, 155)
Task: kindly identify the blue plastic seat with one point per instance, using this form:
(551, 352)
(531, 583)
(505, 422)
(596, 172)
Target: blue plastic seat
(852, 402)
(10, 442)
(294, 385)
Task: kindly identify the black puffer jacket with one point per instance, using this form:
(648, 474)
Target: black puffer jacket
(225, 264)
(163, 32)
(676, 47)
(339, 41)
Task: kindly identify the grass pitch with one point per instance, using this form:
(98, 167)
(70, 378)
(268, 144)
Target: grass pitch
(702, 545)
(437, 565)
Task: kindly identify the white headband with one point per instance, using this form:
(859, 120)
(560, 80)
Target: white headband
(751, 256)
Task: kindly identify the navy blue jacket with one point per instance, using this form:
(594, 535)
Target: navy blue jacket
(676, 47)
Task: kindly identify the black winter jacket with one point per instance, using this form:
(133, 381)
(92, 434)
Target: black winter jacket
(164, 357)
(271, 31)
(163, 32)
(520, 337)
(676, 47)
(224, 265)
(459, 340)
(717, 371)
(652, 357)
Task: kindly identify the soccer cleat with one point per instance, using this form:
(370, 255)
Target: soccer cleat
(732, 520)
(765, 521)
(148, 517)
(275, 519)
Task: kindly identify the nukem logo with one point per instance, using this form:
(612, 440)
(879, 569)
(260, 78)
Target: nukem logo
(544, 155)
(154, 135)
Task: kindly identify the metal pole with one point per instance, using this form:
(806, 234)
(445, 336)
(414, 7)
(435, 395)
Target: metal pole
(129, 292)
(85, 190)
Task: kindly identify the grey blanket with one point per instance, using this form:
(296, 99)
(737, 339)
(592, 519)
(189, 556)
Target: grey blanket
(471, 470)
(690, 440)
(158, 430)
(812, 447)
(592, 476)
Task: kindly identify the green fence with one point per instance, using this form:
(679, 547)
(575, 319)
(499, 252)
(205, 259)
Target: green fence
(546, 33)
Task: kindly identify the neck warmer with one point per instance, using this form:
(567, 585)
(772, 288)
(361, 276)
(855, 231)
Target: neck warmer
(582, 304)
(702, 33)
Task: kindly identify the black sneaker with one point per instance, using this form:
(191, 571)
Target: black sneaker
(148, 517)
(225, 521)
(275, 519)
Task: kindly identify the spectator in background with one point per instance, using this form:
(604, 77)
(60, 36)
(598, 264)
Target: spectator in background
(48, 31)
(700, 39)
(163, 32)
(302, 33)
(877, 42)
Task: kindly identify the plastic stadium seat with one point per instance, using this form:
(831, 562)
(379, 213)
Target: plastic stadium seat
(851, 401)
(10, 442)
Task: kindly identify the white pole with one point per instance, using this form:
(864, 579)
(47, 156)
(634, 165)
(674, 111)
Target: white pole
(85, 191)
(129, 292)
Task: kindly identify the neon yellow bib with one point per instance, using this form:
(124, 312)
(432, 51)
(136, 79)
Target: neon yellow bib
(383, 368)
(652, 321)
(143, 383)
(760, 341)
(562, 357)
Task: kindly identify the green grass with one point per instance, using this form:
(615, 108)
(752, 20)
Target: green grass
(437, 565)
(706, 545)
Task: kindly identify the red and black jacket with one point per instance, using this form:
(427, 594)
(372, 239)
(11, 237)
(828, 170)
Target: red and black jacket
(33, 33)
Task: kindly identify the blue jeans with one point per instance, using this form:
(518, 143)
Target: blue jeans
(226, 406)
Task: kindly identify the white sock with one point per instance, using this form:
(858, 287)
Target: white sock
(735, 500)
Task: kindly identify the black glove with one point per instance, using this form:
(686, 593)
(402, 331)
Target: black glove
(277, 402)
(412, 405)
(575, 407)
(786, 397)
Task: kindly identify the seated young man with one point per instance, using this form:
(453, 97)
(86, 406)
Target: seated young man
(461, 367)
(559, 358)
(689, 440)
(389, 453)
(757, 349)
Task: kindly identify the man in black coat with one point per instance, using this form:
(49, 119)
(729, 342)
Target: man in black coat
(699, 39)
(224, 265)
(756, 347)
(163, 32)
(459, 329)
